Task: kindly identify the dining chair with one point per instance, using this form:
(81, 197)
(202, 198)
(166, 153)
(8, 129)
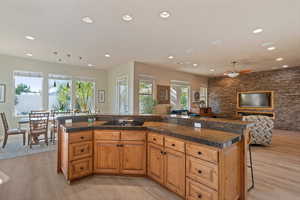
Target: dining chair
(54, 124)
(8, 132)
(38, 125)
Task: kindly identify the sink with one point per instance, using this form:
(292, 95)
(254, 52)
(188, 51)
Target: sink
(124, 123)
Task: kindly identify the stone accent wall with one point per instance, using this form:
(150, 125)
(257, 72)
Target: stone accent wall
(285, 83)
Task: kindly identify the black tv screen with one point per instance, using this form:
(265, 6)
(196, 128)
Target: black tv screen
(255, 100)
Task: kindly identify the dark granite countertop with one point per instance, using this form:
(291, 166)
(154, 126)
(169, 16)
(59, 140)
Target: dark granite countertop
(216, 138)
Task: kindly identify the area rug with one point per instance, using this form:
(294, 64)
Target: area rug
(15, 148)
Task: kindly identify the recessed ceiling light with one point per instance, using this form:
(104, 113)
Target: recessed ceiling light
(29, 54)
(28, 37)
(216, 42)
(195, 64)
(90, 65)
(164, 14)
(87, 20)
(107, 55)
(279, 59)
(212, 70)
(266, 44)
(127, 18)
(258, 30)
(170, 57)
(285, 66)
(271, 48)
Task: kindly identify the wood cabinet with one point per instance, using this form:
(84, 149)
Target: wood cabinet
(106, 157)
(120, 152)
(166, 165)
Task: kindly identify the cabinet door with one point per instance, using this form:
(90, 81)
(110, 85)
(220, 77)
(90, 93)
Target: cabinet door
(106, 157)
(155, 162)
(174, 163)
(133, 157)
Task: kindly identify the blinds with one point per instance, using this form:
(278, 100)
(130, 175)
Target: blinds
(28, 74)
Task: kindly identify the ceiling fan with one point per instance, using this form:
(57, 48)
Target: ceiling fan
(235, 73)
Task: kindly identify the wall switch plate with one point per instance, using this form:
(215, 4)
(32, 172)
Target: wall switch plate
(197, 125)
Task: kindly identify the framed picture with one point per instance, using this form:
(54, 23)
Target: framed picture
(163, 94)
(2, 93)
(101, 96)
(196, 96)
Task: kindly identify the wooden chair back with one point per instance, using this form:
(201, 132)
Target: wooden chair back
(38, 122)
(4, 122)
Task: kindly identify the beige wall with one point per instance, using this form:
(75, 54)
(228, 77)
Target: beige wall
(163, 76)
(115, 73)
(9, 64)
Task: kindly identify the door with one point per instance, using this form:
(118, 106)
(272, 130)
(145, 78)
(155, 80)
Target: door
(174, 163)
(106, 157)
(155, 162)
(133, 157)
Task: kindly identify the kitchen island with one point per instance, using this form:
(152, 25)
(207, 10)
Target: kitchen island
(195, 163)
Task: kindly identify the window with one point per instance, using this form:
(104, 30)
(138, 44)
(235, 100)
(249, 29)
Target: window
(59, 93)
(122, 95)
(84, 96)
(28, 92)
(146, 101)
(203, 96)
(180, 95)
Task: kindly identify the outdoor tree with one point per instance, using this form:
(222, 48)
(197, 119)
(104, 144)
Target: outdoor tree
(84, 93)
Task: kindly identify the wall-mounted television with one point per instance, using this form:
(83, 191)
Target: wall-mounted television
(255, 100)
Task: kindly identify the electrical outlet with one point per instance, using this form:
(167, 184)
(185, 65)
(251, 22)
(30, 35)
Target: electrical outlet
(197, 125)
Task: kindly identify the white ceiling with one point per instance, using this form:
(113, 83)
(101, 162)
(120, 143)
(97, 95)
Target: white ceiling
(188, 34)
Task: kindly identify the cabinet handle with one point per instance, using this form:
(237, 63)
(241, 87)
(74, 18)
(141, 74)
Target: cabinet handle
(117, 145)
(121, 145)
(165, 153)
(199, 171)
(81, 168)
(82, 137)
(161, 152)
(82, 150)
(199, 196)
(154, 139)
(173, 145)
(199, 152)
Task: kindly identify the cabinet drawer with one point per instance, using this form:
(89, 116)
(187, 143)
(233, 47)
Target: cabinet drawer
(107, 135)
(202, 152)
(156, 139)
(202, 171)
(175, 144)
(80, 150)
(198, 191)
(80, 136)
(133, 135)
(80, 168)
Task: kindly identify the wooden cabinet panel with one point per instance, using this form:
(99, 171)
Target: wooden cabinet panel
(80, 168)
(133, 157)
(107, 135)
(205, 153)
(155, 162)
(197, 191)
(156, 139)
(80, 136)
(80, 150)
(175, 144)
(202, 171)
(133, 135)
(106, 157)
(174, 164)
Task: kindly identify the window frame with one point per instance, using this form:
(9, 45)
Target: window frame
(119, 79)
(182, 84)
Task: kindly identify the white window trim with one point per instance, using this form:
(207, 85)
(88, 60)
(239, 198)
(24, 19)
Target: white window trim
(121, 78)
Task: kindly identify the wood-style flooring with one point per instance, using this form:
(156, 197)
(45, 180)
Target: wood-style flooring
(34, 177)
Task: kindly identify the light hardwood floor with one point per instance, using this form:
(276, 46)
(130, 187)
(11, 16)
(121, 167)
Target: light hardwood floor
(276, 168)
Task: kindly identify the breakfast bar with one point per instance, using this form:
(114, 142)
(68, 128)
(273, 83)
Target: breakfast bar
(196, 158)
